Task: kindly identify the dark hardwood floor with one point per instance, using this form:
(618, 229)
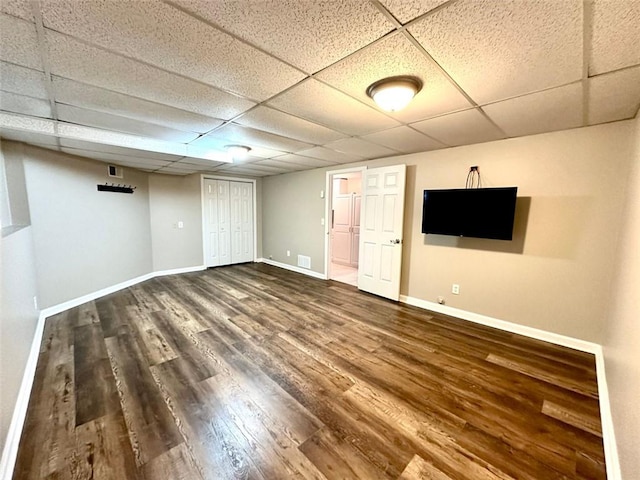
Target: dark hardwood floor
(255, 372)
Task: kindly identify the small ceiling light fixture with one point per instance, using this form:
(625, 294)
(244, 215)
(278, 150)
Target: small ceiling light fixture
(394, 93)
(237, 152)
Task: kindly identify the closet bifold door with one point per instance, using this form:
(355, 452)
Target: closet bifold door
(228, 212)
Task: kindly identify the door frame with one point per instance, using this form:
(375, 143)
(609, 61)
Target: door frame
(206, 176)
(328, 201)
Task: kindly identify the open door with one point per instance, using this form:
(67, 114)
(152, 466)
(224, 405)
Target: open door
(381, 231)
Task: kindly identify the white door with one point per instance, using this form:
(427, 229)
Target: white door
(218, 234)
(341, 238)
(241, 200)
(381, 231)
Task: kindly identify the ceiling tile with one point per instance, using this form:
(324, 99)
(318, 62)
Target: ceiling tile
(29, 137)
(91, 118)
(117, 159)
(393, 56)
(172, 171)
(361, 148)
(199, 162)
(95, 98)
(25, 81)
(19, 42)
(311, 34)
(496, 50)
(547, 111)
(404, 139)
(245, 173)
(460, 128)
(615, 35)
(265, 152)
(329, 155)
(301, 161)
(614, 96)
(325, 105)
(283, 166)
(237, 134)
(166, 37)
(270, 120)
(11, 102)
(406, 10)
(84, 63)
(18, 8)
(130, 152)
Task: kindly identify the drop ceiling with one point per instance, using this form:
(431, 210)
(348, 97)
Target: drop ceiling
(164, 86)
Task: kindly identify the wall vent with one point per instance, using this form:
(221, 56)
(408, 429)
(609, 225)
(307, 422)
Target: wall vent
(304, 261)
(114, 171)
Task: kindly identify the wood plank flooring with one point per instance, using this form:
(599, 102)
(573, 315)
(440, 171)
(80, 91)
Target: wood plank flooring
(255, 372)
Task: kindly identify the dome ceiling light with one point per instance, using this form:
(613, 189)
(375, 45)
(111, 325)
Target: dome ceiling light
(394, 93)
(237, 152)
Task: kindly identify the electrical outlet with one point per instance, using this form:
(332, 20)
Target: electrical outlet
(455, 289)
(288, 253)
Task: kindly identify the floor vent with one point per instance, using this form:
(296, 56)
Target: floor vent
(304, 261)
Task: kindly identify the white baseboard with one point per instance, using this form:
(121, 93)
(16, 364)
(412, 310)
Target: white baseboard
(608, 438)
(531, 332)
(612, 459)
(10, 451)
(293, 268)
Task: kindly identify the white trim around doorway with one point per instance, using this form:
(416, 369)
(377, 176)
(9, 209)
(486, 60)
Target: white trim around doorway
(327, 212)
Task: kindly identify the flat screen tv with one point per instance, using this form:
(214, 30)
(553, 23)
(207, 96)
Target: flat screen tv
(470, 212)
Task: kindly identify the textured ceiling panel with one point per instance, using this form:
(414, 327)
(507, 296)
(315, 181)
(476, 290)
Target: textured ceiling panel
(406, 10)
(95, 98)
(404, 139)
(24, 81)
(29, 137)
(270, 120)
(461, 128)
(103, 148)
(19, 42)
(323, 104)
(161, 35)
(361, 148)
(615, 35)
(283, 166)
(81, 62)
(311, 34)
(91, 118)
(11, 102)
(18, 8)
(495, 50)
(397, 56)
(329, 155)
(614, 96)
(236, 134)
(299, 160)
(555, 109)
(117, 159)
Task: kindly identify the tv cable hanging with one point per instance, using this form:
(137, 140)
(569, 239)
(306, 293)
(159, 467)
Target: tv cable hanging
(473, 178)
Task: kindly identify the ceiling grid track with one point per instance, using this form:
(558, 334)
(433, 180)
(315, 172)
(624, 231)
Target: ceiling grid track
(587, 25)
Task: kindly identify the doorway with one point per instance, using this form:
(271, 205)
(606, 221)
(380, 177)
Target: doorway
(344, 205)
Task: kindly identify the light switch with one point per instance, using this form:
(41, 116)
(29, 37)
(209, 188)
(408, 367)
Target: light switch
(180, 224)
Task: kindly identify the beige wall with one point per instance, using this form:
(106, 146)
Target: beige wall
(173, 199)
(556, 273)
(292, 211)
(85, 240)
(622, 338)
(18, 315)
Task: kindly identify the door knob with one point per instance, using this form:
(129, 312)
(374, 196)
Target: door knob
(396, 241)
